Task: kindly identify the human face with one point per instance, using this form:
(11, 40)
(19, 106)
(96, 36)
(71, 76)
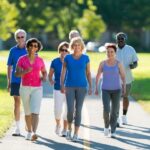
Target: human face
(111, 53)
(77, 47)
(63, 51)
(33, 48)
(20, 38)
(121, 41)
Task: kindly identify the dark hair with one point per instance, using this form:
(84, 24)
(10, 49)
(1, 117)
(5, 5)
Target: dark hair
(66, 44)
(34, 40)
(121, 34)
(111, 45)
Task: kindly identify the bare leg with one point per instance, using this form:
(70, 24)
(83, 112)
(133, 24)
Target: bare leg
(76, 130)
(125, 103)
(17, 108)
(35, 121)
(65, 124)
(28, 123)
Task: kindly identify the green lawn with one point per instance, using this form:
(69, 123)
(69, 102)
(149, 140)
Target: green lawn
(140, 89)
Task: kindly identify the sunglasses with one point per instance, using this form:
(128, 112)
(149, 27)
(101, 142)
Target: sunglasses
(64, 50)
(20, 37)
(33, 45)
(120, 38)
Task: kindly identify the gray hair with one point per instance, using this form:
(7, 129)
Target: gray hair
(18, 31)
(73, 33)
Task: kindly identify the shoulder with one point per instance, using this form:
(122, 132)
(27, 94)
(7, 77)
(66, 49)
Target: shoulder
(13, 49)
(129, 47)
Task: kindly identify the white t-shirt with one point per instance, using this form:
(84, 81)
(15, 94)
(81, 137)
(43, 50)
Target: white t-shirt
(127, 56)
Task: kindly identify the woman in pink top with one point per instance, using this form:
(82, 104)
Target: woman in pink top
(32, 71)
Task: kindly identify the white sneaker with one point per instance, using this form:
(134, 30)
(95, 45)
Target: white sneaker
(75, 138)
(118, 122)
(57, 130)
(16, 132)
(113, 135)
(68, 137)
(106, 131)
(64, 133)
(29, 136)
(124, 119)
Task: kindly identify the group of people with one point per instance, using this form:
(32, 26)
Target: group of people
(70, 74)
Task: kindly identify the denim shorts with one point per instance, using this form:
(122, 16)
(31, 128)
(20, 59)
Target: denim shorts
(14, 89)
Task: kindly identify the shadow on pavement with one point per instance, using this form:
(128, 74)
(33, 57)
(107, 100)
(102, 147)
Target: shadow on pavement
(56, 145)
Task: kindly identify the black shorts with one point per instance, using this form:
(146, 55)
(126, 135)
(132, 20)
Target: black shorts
(14, 89)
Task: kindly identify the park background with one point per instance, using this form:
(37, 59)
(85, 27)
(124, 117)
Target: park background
(97, 20)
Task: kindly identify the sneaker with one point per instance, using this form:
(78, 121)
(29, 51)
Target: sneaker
(16, 132)
(57, 130)
(28, 136)
(113, 135)
(75, 138)
(64, 133)
(68, 135)
(118, 123)
(106, 131)
(124, 119)
(34, 137)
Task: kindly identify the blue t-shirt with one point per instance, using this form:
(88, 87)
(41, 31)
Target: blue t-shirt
(15, 53)
(57, 66)
(76, 75)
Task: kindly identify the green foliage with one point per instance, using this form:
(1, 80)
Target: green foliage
(8, 15)
(91, 25)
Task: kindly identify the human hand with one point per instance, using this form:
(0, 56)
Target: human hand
(63, 90)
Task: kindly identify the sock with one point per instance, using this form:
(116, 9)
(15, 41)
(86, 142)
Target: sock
(124, 112)
(18, 124)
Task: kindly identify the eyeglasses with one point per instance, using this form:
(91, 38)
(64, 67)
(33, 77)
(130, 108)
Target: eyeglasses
(20, 37)
(121, 38)
(64, 50)
(33, 45)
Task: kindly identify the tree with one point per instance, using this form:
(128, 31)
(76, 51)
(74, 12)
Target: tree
(8, 16)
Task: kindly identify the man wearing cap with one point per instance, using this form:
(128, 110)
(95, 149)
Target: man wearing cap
(126, 54)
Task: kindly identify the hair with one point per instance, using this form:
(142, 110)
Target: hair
(121, 34)
(66, 44)
(34, 40)
(73, 32)
(76, 40)
(18, 31)
(111, 45)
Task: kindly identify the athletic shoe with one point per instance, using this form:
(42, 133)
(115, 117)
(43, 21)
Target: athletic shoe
(118, 122)
(57, 130)
(64, 133)
(16, 132)
(75, 138)
(113, 135)
(28, 136)
(68, 137)
(106, 131)
(124, 119)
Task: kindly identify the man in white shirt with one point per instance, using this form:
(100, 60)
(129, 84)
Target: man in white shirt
(127, 56)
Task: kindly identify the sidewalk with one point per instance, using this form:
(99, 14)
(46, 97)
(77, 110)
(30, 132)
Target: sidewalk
(135, 135)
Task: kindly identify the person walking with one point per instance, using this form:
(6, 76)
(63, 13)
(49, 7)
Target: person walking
(13, 82)
(31, 69)
(59, 98)
(112, 71)
(78, 72)
(126, 54)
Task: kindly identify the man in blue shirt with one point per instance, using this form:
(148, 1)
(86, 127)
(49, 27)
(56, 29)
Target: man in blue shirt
(13, 82)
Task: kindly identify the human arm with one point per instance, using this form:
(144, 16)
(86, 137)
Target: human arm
(62, 77)
(88, 74)
(50, 76)
(9, 69)
(122, 75)
(99, 72)
(44, 74)
(20, 72)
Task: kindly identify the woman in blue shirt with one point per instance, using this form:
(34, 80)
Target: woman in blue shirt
(75, 84)
(59, 98)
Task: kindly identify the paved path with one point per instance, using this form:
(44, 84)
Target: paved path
(135, 135)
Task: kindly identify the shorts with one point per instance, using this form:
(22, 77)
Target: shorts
(31, 99)
(14, 89)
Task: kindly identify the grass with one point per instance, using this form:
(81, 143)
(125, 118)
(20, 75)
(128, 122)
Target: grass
(6, 102)
(140, 89)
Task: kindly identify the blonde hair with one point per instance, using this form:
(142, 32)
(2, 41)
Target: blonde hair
(76, 40)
